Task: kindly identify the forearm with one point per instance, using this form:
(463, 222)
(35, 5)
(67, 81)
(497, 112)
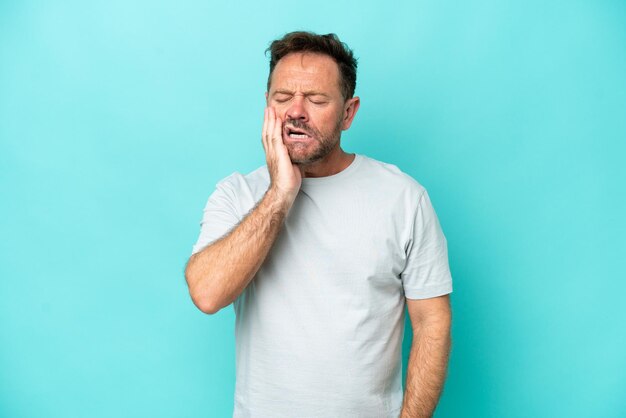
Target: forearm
(426, 371)
(221, 271)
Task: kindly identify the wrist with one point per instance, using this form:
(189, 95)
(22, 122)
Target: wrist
(280, 199)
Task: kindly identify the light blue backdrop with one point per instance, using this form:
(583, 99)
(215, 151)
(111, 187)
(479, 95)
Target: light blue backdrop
(117, 119)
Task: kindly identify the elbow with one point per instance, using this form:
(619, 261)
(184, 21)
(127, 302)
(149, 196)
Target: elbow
(200, 295)
(205, 290)
(206, 306)
(204, 302)
(207, 303)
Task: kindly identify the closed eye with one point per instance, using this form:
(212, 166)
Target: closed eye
(281, 97)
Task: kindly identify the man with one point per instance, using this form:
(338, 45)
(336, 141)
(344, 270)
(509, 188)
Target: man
(320, 250)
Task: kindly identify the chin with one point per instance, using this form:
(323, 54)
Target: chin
(303, 157)
(301, 154)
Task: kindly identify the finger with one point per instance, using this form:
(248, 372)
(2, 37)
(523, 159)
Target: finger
(270, 127)
(264, 122)
(264, 132)
(278, 131)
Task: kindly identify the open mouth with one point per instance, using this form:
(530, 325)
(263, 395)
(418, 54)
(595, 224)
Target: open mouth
(296, 133)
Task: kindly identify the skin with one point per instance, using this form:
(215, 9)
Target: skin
(305, 94)
(218, 274)
(428, 359)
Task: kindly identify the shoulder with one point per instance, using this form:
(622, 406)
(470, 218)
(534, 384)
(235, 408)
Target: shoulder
(390, 177)
(254, 182)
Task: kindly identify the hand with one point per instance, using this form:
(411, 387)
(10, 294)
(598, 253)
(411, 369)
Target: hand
(285, 176)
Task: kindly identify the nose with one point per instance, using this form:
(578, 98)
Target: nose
(297, 109)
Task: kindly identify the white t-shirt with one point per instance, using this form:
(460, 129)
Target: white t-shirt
(319, 329)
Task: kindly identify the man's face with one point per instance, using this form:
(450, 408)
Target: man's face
(306, 94)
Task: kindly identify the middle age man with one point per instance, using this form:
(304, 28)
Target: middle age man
(320, 250)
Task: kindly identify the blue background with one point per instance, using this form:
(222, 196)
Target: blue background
(117, 119)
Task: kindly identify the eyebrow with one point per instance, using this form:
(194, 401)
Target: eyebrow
(306, 93)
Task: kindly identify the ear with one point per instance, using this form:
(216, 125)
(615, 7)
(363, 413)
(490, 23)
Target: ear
(350, 108)
(266, 96)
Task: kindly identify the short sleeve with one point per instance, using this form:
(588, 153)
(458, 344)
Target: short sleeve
(427, 271)
(220, 215)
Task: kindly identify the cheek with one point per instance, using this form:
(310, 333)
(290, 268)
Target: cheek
(282, 112)
(332, 119)
(280, 108)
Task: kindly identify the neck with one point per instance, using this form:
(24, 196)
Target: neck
(336, 161)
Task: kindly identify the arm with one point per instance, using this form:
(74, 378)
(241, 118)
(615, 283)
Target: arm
(426, 372)
(221, 271)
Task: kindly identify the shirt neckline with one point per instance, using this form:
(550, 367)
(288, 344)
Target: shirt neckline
(326, 180)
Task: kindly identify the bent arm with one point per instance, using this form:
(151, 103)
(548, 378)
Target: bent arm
(428, 360)
(218, 274)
